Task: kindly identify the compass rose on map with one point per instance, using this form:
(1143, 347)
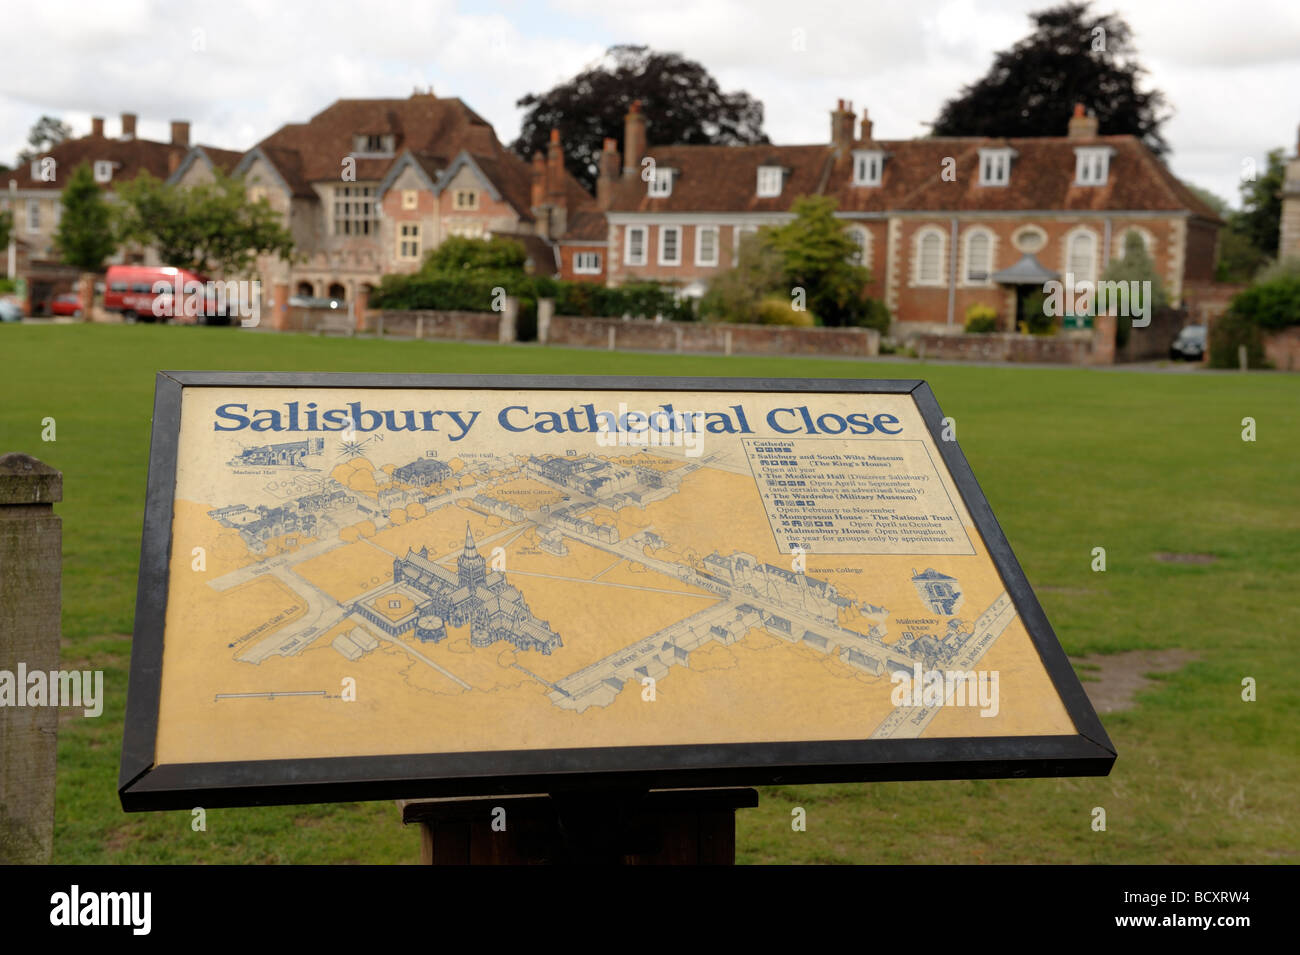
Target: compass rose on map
(357, 448)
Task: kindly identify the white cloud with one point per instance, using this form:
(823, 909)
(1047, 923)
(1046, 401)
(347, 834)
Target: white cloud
(1230, 77)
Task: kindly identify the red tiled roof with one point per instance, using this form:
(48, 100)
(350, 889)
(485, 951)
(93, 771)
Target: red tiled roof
(423, 124)
(130, 157)
(724, 178)
(586, 225)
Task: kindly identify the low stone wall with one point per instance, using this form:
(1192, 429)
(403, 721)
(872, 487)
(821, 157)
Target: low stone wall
(453, 326)
(1282, 348)
(1069, 348)
(708, 338)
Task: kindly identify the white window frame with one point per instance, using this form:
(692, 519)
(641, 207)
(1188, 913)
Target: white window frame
(1091, 165)
(660, 185)
(868, 167)
(470, 205)
(863, 256)
(995, 167)
(628, 258)
(770, 181)
(103, 170)
(699, 244)
(33, 215)
(412, 239)
(1018, 241)
(676, 230)
(967, 240)
(589, 269)
(918, 278)
(1073, 236)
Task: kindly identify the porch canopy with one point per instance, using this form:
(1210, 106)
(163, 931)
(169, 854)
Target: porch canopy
(1028, 271)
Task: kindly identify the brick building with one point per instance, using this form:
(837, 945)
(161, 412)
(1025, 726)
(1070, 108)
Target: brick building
(943, 223)
(367, 187)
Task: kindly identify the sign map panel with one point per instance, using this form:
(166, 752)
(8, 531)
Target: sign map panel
(370, 588)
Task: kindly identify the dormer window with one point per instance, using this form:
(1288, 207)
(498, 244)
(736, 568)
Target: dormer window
(1091, 165)
(373, 144)
(769, 181)
(995, 167)
(868, 167)
(103, 170)
(661, 183)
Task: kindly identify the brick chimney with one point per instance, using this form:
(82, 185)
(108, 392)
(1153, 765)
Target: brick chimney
(634, 140)
(864, 129)
(538, 194)
(180, 133)
(128, 125)
(607, 173)
(554, 169)
(97, 127)
(1082, 124)
(842, 126)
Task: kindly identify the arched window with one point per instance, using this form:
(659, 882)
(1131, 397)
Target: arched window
(929, 257)
(979, 256)
(1081, 256)
(863, 240)
(338, 291)
(1148, 240)
(305, 289)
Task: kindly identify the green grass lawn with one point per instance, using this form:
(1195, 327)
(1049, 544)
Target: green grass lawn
(1070, 460)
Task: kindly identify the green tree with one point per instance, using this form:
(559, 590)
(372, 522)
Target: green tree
(682, 102)
(46, 133)
(212, 228)
(1135, 265)
(736, 294)
(1071, 57)
(1260, 219)
(818, 256)
(457, 254)
(85, 234)
(6, 227)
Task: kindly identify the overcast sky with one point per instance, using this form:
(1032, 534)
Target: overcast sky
(238, 69)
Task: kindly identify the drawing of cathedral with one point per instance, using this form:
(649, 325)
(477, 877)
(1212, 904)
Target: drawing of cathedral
(472, 595)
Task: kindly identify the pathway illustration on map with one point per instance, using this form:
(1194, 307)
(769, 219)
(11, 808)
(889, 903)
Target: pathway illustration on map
(539, 589)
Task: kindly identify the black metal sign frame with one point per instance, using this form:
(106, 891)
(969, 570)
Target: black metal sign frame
(144, 785)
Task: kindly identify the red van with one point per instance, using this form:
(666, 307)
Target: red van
(130, 289)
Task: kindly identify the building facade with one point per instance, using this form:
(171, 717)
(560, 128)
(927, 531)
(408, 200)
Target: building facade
(942, 223)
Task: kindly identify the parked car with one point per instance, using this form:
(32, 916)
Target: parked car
(69, 303)
(1189, 344)
(130, 290)
(307, 301)
(10, 310)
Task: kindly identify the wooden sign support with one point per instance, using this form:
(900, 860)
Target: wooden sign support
(591, 827)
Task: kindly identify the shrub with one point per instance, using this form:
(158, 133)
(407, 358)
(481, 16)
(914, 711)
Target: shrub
(1134, 266)
(1228, 334)
(778, 310)
(1270, 305)
(981, 319)
(1288, 267)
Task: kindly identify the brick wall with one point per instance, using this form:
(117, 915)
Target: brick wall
(1282, 348)
(1066, 349)
(454, 326)
(708, 338)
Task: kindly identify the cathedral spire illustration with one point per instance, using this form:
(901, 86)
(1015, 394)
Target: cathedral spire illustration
(471, 565)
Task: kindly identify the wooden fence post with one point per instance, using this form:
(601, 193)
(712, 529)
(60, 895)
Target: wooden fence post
(31, 553)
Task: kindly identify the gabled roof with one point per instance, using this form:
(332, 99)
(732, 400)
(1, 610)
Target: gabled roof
(586, 226)
(724, 178)
(285, 165)
(428, 169)
(421, 124)
(224, 160)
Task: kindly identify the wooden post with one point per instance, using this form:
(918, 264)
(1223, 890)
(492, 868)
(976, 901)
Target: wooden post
(661, 827)
(509, 322)
(31, 553)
